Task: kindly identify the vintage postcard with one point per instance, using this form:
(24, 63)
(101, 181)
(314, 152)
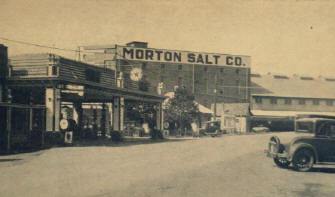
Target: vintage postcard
(148, 98)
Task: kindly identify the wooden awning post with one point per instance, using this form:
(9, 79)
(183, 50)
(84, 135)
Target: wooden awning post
(159, 116)
(118, 113)
(103, 119)
(52, 104)
(9, 127)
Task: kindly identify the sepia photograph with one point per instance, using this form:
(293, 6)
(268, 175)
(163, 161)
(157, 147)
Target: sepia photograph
(151, 98)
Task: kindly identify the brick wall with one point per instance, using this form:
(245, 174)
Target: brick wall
(231, 82)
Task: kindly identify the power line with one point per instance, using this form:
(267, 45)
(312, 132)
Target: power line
(37, 45)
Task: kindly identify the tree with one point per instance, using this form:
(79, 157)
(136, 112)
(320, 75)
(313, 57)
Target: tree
(182, 109)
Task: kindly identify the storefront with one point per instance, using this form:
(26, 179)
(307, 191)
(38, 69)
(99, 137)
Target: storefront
(68, 89)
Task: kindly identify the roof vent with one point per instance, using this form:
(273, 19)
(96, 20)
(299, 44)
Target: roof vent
(306, 78)
(280, 77)
(330, 79)
(255, 75)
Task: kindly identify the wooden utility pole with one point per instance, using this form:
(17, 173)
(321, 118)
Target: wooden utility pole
(215, 94)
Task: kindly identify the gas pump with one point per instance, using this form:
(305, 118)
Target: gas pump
(67, 127)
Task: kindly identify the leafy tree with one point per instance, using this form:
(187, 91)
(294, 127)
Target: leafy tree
(181, 109)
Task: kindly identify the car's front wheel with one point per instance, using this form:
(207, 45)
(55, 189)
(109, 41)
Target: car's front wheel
(303, 160)
(282, 163)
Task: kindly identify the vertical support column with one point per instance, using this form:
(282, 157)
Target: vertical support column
(43, 127)
(109, 120)
(9, 126)
(31, 119)
(159, 117)
(118, 113)
(103, 120)
(121, 113)
(52, 103)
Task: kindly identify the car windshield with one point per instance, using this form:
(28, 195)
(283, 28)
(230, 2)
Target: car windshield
(305, 127)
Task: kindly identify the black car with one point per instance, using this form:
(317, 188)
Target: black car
(315, 144)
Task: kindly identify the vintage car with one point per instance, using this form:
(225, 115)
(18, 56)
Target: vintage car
(314, 144)
(211, 128)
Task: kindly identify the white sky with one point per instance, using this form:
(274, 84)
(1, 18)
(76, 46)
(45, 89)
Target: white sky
(280, 36)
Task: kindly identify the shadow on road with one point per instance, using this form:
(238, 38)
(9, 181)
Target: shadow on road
(310, 190)
(9, 160)
(329, 170)
(126, 142)
(323, 170)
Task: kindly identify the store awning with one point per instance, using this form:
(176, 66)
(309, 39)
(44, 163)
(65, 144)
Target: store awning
(202, 109)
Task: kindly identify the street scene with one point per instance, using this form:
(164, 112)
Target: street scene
(227, 166)
(167, 98)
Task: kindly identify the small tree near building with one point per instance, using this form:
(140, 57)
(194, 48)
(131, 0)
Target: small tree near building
(181, 110)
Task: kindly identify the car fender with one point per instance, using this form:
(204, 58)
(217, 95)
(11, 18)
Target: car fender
(296, 147)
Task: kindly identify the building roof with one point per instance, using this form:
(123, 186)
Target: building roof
(292, 86)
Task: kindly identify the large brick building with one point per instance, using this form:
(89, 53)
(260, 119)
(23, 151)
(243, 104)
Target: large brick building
(211, 77)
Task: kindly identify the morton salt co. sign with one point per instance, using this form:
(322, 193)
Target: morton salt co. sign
(182, 57)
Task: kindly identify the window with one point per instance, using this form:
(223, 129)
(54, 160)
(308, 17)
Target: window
(329, 102)
(205, 68)
(221, 70)
(180, 67)
(144, 66)
(325, 129)
(180, 81)
(288, 101)
(258, 100)
(52, 71)
(332, 131)
(302, 101)
(316, 102)
(162, 66)
(273, 101)
(237, 71)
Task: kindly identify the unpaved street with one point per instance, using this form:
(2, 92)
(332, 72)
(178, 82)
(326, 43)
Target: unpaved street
(227, 166)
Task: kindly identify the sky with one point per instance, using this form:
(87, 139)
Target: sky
(281, 36)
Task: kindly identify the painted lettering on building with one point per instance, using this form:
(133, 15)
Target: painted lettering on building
(182, 57)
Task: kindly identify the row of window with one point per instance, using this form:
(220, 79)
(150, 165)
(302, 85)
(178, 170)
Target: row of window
(180, 67)
(288, 101)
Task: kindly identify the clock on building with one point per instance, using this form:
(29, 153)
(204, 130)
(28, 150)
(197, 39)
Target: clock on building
(136, 74)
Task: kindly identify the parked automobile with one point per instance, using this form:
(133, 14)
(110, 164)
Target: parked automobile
(315, 144)
(211, 128)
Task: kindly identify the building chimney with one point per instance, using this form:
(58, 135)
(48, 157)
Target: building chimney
(137, 44)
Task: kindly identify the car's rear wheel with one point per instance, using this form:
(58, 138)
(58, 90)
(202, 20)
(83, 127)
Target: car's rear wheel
(303, 160)
(281, 162)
